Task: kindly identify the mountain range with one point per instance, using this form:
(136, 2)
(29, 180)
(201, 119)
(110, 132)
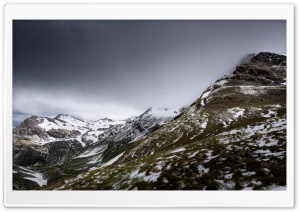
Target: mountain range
(233, 137)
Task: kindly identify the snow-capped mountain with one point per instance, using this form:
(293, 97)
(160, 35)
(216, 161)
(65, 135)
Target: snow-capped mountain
(139, 126)
(233, 137)
(63, 127)
(119, 136)
(81, 144)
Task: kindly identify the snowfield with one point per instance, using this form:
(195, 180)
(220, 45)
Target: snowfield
(89, 130)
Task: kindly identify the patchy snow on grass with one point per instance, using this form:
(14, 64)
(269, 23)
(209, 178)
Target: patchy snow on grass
(134, 174)
(269, 114)
(247, 189)
(255, 183)
(209, 156)
(267, 171)
(194, 154)
(276, 188)
(204, 124)
(177, 139)
(262, 132)
(228, 185)
(236, 111)
(246, 174)
(171, 130)
(228, 176)
(202, 170)
(160, 165)
(178, 150)
(250, 90)
(93, 168)
(266, 141)
(152, 177)
(230, 115)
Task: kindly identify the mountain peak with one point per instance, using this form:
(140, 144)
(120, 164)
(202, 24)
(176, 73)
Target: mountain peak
(65, 117)
(61, 116)
(105, 120)
(269, 58)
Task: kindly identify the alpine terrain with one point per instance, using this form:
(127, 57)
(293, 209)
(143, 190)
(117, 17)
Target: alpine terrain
(233, 137)
(46, 149)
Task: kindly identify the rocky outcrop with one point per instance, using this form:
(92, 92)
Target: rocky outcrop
(63, 133)
(26, 153)
(29, 127)
(264, 68)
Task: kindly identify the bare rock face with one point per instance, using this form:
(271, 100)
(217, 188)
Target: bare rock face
(264, 68)
(29, 127)
(269, 59)
(26, 153)
(35, 144)
(63, 133)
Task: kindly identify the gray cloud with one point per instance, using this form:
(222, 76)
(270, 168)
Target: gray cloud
(116, 69)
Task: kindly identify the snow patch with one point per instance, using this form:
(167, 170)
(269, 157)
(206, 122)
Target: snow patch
(202, 170)
(236, 111)
(178, 138)
(276, 188)
(248, 173)
(34, 176)
(269, 114)
(152, 177)
(221, 82)
(251, 90)
(178, 150)
(112, 160)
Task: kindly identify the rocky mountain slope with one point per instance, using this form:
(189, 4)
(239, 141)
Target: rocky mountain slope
(232, 138)
(47, 140)
(63, 146)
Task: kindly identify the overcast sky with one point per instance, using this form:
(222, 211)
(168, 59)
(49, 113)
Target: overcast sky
(117, 69)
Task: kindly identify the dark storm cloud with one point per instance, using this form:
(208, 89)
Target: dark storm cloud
(95, 69)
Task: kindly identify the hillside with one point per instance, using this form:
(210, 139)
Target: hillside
(233, 137)
(47, 149)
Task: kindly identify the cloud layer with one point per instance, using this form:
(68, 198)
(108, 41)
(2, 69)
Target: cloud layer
(116, 69)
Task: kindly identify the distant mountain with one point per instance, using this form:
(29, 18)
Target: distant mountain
(233, 137)
(65, 141)
(62, 127)
(118, 137)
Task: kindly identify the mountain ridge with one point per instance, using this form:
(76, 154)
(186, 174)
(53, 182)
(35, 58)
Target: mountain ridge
(233, 137)
(65, 139)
